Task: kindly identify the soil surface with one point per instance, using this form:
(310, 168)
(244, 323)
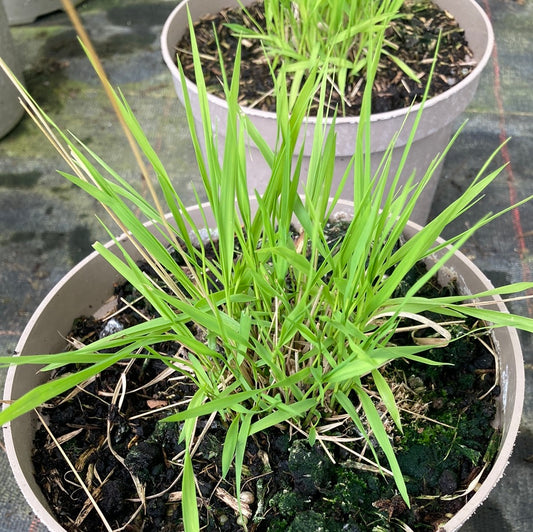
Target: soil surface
(112, 430)
(413, 37)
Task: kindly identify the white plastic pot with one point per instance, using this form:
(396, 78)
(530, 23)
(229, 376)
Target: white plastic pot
(10, 109)
(433, 133)
(26, 11)
(90, 284)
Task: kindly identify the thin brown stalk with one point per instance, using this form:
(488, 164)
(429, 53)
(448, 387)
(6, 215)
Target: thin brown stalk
(492, 302)
(93, 57)
(162, 409)
(80, 170)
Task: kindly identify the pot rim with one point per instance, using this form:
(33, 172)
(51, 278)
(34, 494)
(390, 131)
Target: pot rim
(376, 117)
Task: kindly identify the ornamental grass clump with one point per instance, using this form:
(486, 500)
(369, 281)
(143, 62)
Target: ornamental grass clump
(290, 322)
(334, 37)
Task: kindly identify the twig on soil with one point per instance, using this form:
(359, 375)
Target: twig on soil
(65, 438)
(318, 438)
(120, 389)
(132, 308)
(87, 506)
(260, 487)
(79, 388)
(162, 409)
(496, 375)
(76, 474)
(233, 503)
(261, 98)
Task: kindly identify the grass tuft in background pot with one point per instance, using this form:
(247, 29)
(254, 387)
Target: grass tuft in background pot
(290, 323)
(334, 37)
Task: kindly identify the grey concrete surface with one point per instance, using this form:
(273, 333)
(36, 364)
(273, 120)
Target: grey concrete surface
(46, 225)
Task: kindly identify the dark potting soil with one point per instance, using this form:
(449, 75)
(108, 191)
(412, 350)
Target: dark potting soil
(413, 37)
(287, 485)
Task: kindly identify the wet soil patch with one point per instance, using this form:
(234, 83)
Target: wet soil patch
(415, 35)
(20, 179)
(112, 430)
(46, 80)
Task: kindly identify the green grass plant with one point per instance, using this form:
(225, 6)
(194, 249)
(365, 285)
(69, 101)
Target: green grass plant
(292, 324)
(334, 37)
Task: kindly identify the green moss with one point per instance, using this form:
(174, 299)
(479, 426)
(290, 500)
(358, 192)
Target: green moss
(310, 467)
(354, 491)
(307, 521)
(167, 435)
(288, 503)
(419, 463)
(475, 428)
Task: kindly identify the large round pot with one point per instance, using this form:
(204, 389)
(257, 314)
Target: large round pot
(433, 133)
(90, 284)
(10, 109)
(26, 11)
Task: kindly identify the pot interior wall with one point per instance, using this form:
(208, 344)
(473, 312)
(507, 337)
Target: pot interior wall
(26, 11)
(45, 333)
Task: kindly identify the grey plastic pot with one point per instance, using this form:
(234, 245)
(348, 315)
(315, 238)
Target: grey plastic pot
(433, 133)
(26, 11)
(87, 287)
(10, 109)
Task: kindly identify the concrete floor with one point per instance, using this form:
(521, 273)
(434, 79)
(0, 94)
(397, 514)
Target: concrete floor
(46, 225)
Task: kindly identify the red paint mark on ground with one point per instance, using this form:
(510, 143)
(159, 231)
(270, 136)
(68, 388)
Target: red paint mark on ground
(34, 524)
(511, 183)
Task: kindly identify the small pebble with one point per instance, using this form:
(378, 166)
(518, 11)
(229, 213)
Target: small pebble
(247, 497)
(241, 520)
(205, 235)
(112, 326)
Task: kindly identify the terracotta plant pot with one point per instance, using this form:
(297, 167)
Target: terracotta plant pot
(433, 133)
(89, 285)
(10, 109)
(26, 11)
